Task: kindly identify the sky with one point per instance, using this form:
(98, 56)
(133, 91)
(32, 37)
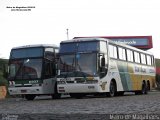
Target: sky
(48, 20)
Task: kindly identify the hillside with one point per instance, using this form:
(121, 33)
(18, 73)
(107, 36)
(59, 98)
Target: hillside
(3, 67)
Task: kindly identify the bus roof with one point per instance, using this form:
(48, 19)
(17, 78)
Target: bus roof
(108, 40)
(84, 39)
(36, 45)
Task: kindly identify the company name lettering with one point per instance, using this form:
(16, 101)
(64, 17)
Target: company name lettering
(133, 42)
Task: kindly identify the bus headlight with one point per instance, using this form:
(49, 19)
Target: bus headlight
(11, 83)
(34, 85)
(61, 82)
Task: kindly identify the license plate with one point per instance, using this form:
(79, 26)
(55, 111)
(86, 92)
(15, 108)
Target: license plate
(23, 91)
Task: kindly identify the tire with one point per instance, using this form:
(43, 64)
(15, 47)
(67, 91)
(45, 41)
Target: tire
(148, 86)
(143, 91)
(77, 95)
(120, 93)
(144, 88)
(56, 95)
(112, 90)
(30, 97)
(138, 92)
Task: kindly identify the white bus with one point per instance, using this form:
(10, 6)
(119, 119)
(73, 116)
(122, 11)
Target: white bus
(33, 70)
(98, 65)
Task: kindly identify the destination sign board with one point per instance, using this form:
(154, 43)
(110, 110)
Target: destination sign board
(141, 42)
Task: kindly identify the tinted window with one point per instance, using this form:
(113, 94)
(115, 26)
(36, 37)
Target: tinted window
(25, 69)
(26, 52)
(67, 47)
(88, 46)
(79, 47)
(49, 53)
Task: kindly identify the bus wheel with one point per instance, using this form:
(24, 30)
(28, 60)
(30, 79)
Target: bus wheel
(56, 96)
(148, 86)
(30, 97)
(144, 88)
(77, 95)
(137, 92)
(112, 89)
(121, 93)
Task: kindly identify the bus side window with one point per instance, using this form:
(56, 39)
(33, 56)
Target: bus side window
(121, 53)
(149, 61)
(143, 58)
(113, 51)
(129, 55)
(136, 57)
(49, 53)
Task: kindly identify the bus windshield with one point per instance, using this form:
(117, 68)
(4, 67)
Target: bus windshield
(25, 69)
(79, 47)
(81, 64)
(26, 53)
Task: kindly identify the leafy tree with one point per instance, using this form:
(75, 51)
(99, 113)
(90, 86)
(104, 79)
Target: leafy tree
(3, 72)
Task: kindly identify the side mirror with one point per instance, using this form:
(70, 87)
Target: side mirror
(59, 72)
(103, 62)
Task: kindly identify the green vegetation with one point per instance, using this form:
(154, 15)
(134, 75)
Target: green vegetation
(3, 72)
(157, 61)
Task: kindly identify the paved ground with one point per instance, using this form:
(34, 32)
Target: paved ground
(86, 108)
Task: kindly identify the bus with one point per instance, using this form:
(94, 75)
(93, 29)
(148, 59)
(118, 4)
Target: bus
(101, 66)
(33, 70)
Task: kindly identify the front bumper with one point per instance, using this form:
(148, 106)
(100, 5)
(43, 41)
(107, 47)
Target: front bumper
(78, 88)
(25, 90)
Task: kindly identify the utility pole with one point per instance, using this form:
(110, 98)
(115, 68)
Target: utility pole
(67, 34)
